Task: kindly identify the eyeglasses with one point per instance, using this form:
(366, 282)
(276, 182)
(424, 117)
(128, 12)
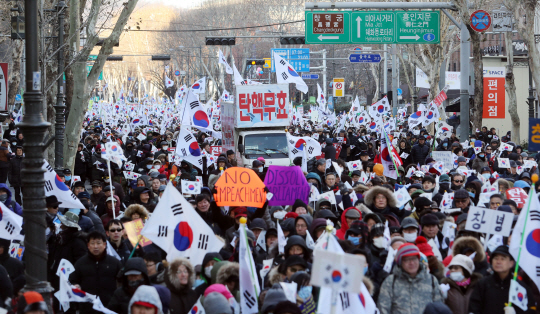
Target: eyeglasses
(458, 181)
(182, 272)
(116, 230)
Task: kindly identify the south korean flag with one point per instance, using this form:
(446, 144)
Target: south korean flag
(379, 108)
(296, 146)
(285, 73)
(176, 228)
(188, 149)
(223, 61)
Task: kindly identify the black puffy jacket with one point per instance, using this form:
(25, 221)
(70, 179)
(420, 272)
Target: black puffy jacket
(15, 166)
(419, 154)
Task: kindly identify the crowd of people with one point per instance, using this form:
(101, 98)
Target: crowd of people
(412, 267)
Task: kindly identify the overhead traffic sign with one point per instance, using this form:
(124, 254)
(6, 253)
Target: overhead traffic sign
(372, 27)
(297, 57)
(399, 91)
(480, 20)
(267, 63)
(364, 58)
(502, 20)
(310, 76)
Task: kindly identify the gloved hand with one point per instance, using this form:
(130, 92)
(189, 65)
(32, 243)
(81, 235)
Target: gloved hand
(509, 310)
(343, 189)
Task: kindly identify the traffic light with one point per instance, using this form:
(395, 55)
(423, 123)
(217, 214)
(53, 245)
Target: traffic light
(161, 58)
(255, 62)
(223, 41)
(292, 40)
(115, 58)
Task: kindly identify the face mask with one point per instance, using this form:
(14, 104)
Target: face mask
(365, 269)
(486, 175)
(149, 166)
(445, 145)
(107, 180)
(471, 194)
(68, 178)
(3, 198)
(490, 136)
(481, 156)
(157, 167)
(164, 147)
(208, 271)
(425, 135)
(410, 237)
(261, 169)
(380, 242)
(305, 292)
(456, 276)
(135, 284)
(198, 282)
(354, 240)
(279, 215)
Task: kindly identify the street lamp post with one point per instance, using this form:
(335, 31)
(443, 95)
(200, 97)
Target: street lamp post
(33, 127)
(60, 107)
(530, 99)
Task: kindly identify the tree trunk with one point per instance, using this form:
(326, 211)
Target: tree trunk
(510, 87)
(478, 68)
(15, 75)
(82, 88)
(375, 72)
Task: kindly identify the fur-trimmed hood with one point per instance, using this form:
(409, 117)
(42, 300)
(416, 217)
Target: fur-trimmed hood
(361, 188)
(369, 196)
(274, 276)
(471, 242)
(172, 269)
(136, 209)
(226, 271)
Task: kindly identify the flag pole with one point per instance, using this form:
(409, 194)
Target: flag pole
(435, 135)
(243, 221)
(110, 183)
(534, 179)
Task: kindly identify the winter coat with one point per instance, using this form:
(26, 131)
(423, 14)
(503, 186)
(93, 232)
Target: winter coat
(98, 224)
(4, 156)
(69, 244)
(419, 154)
(458, 297)
(81, 160)
(406, 161)
(86, 224)
(402, 294)
(491, 293)
(97, 174)
(391, 212)
(478, 164)
(119, 302)
(6, 287)
(14, 268)
(182, 296)
(10, 203)
(207, 280)
(150, 295)
(109, 215)
(15, 166)
(124, 250)
(96, 276)
(329, 152)
(340, 233)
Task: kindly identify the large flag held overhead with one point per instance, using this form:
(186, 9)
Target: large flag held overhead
(525, 244)
(417, 117)
(379, 108)
(176, 228)
(198, 116)
(296, 146)
(321, 98)
(199, 87)
(188, 148)
(249, 284)
(223, 61)
(168, 82)
(286, 74)
(113, 152)
(431, 115)
(55, 186)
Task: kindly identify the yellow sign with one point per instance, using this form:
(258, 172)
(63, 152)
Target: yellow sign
(338, 87)
(133, 230)
(267, 63)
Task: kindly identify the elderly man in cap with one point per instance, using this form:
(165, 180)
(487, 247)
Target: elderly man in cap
(97, 192)
(462, 200)
(410, 287)
(78, 187)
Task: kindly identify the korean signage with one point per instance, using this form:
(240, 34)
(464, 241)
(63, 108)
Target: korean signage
(339, 85)
(494, 93)
(502, 20)
(534, 134)
(297, 57)
(365, 27)
(490, 221)
(262, 105)
(452, 79)
(3, 86)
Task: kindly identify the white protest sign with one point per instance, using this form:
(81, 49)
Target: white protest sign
(489, 221)
(444, 157)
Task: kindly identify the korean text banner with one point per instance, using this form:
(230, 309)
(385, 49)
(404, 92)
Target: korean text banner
(534, 134)
(262, 105)
(287, 183)
(494, 93)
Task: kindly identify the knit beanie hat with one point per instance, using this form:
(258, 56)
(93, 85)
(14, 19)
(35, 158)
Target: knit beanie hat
(216, 303)
(31, 301)
(299, 203)
(424, 247)
(406, 249)
(272, 298)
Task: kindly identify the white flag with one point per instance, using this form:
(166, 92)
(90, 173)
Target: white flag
(321, 97)
(54, 186)
(197, 115)
(518, 295)
(282, 242)
(354, 165)
(261, 240)
(10, 224)
(431, 115)
(267, 266)
(168, 82)
(379, 108)
(285, 73)
(338, 271)
(114, 153)
(197, 307)
(417, 117)
(530, 250)
(112, 252)
(296, 146)
(249, 284)
(177, 229)
(199, 87)
(309, 241)
(65, 267)
(191, 187)
(402, 197)
(188, 148)
(223, 61)
(446, 202)
(238, 80)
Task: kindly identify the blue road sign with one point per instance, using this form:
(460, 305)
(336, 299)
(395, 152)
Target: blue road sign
(480, 20)
(399, 92)
(18, 97)
(364, 58)
(297, 57)
(310, 76)
(176, 73)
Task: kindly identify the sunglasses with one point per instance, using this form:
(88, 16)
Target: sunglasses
(116, 230)
(458, 181)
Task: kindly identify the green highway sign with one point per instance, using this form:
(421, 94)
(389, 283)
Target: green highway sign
(372, 27)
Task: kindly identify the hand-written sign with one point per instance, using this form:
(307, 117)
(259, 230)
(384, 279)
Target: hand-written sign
(287, 183)
(240, 187)
(489, 221)
(133, 231)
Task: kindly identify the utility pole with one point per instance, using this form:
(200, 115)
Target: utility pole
(60, 107)
(464, 89)
(33, 127)
(385, 71)
(394, 79)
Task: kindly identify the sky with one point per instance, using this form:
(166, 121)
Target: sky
(178, 3)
